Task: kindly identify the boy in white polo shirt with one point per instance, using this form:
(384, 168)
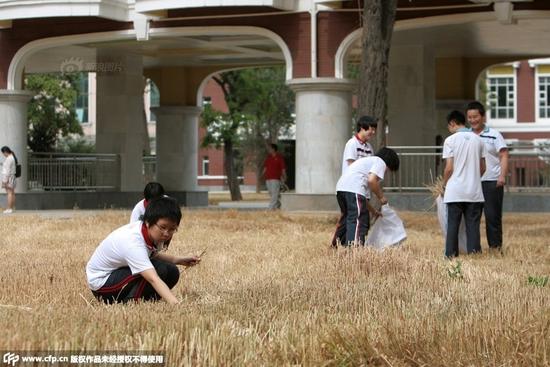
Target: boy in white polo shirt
(494, 178)
(464, 156)
(353, 192)
(358, 146)
(129, 264)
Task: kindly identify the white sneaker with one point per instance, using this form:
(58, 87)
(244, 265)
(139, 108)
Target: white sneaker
(8, 211)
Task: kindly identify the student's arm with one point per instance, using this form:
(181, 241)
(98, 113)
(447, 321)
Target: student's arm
(350, 161)
(178, 260)
(503, 156)
(374, 186)
(449, 167)
(283, 175)
(482, 167)
(375, 213)
(151, 276)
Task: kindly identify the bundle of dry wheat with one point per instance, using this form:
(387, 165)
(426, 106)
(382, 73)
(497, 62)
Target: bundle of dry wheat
(436, 188)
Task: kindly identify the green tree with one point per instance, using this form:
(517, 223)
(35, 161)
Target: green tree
(222, 127)
(271, 114)
(259, 108)
(51, 111)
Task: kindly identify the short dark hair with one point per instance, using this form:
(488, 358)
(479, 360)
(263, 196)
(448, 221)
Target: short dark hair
(6, 149)
(457, 117)
(476, 105)
(275, 147)
(153, 190)
(390, 157)
(366, 122)
(163, 207)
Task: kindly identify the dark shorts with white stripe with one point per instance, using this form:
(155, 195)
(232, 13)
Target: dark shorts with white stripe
(353, 225)
(122, 286)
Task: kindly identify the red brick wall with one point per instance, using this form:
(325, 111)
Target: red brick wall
(332, 28)
(526, 92)
(527, 136)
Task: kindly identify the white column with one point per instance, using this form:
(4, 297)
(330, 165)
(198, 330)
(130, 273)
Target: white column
(323, 125)
(177, 146)
(411, 96)
(13, 128)
(120, 114)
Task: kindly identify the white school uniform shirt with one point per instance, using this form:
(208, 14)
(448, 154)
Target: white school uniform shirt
(356, 176)
(494, 143)
(123, 247)
(8, 167)
(466, 149)
(138, 211)
(354, 150)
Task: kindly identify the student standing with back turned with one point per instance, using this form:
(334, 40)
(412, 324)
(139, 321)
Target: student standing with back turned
(464, 156)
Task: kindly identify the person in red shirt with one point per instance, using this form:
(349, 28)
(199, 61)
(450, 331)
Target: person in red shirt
(274, 173)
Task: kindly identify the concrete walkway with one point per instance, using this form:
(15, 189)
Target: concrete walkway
(243, 205)
(72, 213)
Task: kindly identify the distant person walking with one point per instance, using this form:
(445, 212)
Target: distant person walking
(274, 173)
(8, 177)
(464, 156)
(353, 192)
(494, 178)
(358, 146)
(153, 190)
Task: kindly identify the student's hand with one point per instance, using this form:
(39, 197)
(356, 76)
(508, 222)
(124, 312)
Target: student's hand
(383, 200)
(191, 261)
(501, 181)
(376, 213)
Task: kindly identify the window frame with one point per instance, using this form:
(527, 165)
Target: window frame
(538, 117)
(506, 120)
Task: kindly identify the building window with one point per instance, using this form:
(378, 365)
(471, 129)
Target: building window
(544, 97)
(206, 101)
(81, 104)
(205, 166)
(154, 98)
(501, 97)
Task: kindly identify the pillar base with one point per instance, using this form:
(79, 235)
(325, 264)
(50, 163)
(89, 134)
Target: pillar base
(96, 200)
(309, 202)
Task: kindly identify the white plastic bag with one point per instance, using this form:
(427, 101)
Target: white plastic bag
(388, 230)
(442, 216)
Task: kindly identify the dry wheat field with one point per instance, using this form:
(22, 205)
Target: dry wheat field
(269, 292)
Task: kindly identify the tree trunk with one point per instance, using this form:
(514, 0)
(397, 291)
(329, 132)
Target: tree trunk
(378, 20)
(259, 176)
(230, 171)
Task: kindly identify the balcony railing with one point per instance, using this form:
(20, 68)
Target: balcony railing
(529, 170)
(62, 171)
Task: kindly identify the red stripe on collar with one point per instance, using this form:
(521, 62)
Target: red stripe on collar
(358, 138)
(145, 234)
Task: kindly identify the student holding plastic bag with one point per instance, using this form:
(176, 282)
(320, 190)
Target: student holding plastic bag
(353, 192)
